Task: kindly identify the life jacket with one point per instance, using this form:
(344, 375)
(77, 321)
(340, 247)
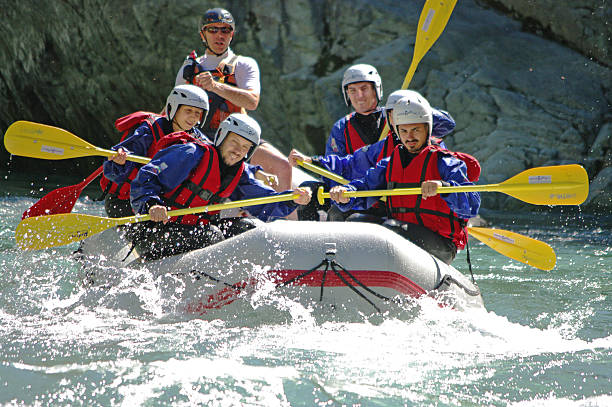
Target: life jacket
(219, 108)
(355, 136)
(390, 143)
(127, 125)
(204, 186)
(433, 212)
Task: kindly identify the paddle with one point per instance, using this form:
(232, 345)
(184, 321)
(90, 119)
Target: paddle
(60, 200)
(42, 232)
(432, 22)
(516, 246)
(35, 140)
(554, 185)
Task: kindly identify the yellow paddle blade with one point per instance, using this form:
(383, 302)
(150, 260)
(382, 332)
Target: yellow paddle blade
(554, 185)
(35, 140)
(40, 232)
(432, 22)
(516, 246)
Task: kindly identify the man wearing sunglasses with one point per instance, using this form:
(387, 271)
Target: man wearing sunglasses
(232, 83)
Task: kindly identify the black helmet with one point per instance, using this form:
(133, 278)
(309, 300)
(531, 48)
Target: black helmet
(218, 15)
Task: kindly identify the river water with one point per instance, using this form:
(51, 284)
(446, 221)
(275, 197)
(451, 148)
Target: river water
(545, 338)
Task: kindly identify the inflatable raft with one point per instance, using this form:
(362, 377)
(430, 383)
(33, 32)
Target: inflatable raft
(346, 268)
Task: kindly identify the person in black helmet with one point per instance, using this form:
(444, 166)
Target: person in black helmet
(233, 85)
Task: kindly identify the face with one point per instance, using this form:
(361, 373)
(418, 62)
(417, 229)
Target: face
(362, 96)
(413, 136)
(218, 42)
(234, 148)
(186, 117)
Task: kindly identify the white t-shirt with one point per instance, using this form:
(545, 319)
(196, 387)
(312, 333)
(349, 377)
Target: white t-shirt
(246, 70)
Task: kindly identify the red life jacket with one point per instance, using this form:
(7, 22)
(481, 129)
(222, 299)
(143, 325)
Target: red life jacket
(388, 147)
(433, 212)
(219, 108)
(354, 135)
(127, 125)
(204, 186)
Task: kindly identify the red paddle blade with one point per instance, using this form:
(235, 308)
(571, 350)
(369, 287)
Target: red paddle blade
(60, 200)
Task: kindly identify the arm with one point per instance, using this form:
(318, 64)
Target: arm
(166, 171)
(248, 187)
(246, 94)
(454, 173)
(375, 178)
(137, 144)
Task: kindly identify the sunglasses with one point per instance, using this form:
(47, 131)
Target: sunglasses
(214, 30)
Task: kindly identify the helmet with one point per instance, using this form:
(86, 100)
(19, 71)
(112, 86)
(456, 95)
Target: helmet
(412, 109)
(217, 15)
(242, 125)
(189, 95)
(393, 98)
(361, 73)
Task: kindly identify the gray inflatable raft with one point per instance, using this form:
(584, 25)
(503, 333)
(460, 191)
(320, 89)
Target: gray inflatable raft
(348, 267)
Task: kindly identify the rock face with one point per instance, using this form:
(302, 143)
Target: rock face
(520, 100)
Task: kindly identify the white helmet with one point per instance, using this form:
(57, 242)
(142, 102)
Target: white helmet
(242, 125)
(412, 109)
(361, 73)
(189, 95)
(392, 100)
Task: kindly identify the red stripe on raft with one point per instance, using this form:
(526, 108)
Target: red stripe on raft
(373, 279)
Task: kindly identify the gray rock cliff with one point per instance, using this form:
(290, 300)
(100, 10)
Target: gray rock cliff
(521, 97)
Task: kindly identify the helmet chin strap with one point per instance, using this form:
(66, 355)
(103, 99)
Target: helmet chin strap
(213, 52)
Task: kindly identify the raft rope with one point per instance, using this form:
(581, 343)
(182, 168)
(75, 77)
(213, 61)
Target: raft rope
(448, 279)
(469, 262)
(330, 262)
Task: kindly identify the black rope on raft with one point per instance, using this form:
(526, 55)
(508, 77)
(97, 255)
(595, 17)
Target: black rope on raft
(330, 262)
(469, 262)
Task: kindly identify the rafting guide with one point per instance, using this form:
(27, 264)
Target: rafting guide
(233, 85)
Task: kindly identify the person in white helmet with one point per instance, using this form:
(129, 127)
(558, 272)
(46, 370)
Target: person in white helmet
(233, 84)
(192, 174)
(432, 221)
(186, 107)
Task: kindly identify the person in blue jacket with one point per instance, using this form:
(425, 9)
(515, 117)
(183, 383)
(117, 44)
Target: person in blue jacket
(194, 174)
(355, 165)
(186, 106)
(432, 221)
